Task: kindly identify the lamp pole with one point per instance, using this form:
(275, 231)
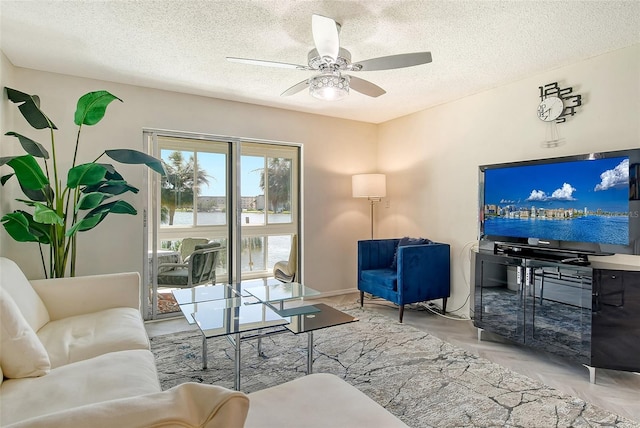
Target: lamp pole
(370, 186)
(371, 216)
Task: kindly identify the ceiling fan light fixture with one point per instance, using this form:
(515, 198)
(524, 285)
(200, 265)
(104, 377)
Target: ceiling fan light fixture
(329, 86)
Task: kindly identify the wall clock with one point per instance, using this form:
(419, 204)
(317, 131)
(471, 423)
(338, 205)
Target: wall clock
(557, 103)
(550, 109)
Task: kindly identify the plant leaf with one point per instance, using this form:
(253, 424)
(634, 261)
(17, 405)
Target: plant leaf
(17, 226)
(118, 187)
(111, 171)
(22, 228)
(39, 195)
(112, 187)
(116, 207)
(28, 203)
(89, 201)
(129, 156)
(29, 106)
(86, 223)
(5, 178)
(95, 217)
(114, 176)
(45, 215)
(28, 172)
(92, 107)
(86, 174)
(30, 146)
(6, 159)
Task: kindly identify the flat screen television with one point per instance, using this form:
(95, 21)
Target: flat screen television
(589, 204)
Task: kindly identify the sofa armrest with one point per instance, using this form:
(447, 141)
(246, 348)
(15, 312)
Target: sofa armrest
(185, 405)
(65, 297)
(424, 272)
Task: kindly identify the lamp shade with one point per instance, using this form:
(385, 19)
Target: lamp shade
(369, 186)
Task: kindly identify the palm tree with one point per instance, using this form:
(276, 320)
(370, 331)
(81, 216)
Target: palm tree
(178, 186)
(279, 179)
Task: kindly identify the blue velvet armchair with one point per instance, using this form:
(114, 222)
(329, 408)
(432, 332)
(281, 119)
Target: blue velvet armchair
(421, 272)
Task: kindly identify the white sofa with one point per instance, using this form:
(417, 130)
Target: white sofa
(74, 352)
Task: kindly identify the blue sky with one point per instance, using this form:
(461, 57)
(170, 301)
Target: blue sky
(595, 184)
(214, 164)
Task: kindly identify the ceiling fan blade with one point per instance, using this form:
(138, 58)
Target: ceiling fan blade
(325, 36)
(395, 61)
(267, 63)
(296, 88)
(365, 87)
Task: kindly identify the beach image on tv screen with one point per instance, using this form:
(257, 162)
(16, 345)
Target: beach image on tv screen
(581, 201)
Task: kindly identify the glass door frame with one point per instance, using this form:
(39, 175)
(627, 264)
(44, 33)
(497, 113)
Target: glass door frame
(152, 210)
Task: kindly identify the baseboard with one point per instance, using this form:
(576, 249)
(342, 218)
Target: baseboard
(325, 294)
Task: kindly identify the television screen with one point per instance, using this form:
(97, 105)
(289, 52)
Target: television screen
(583, 199)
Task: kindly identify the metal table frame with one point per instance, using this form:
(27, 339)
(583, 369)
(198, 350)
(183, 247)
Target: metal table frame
(236, 338)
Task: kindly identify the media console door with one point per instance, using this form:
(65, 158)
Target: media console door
(498, 299)
(558, 309)
(616, 320)
(546, 305)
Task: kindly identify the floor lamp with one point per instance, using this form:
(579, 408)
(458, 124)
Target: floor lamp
(370, 186)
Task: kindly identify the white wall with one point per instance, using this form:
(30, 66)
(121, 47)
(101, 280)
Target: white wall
(432, 157)
(333, 150)
(6, 119)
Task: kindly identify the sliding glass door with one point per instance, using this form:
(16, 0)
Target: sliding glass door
(241, 195)
(269, 198)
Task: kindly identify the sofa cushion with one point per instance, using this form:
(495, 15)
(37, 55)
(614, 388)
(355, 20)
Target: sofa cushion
(21, 352)
(186, 405)
(404, 242)
(188, 246)
(13, 281)
(86, 336)
(108, 377)
(318, 400)
(386, 278)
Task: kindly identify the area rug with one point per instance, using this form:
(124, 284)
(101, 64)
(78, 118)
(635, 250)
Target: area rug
(419, 378)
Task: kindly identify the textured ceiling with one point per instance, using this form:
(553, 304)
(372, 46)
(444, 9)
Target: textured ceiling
(182, 45)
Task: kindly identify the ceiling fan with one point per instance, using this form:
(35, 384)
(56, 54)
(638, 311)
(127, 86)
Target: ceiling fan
(332, 61)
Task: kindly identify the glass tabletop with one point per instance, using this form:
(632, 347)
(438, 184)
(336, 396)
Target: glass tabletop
(203, 293)
(322, 317)
(280, 292)
(188, 309)
(242, 287)
(221, 318)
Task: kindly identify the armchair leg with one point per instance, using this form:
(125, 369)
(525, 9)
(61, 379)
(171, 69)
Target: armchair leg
(444, 305)
(401, 312)
(361, 298)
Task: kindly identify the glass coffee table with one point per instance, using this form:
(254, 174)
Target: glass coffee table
(302, 319)
(279, 293)
(239, 314)
(236, 321)
(315, 317)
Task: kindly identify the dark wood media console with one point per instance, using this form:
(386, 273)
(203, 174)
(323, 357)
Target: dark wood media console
(561, 303)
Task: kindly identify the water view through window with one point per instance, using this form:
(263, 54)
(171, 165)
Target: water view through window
(194, 199)
(252, 252)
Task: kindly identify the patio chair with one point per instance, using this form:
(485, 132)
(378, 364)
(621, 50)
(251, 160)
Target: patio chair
(286, 270)
(200, 268)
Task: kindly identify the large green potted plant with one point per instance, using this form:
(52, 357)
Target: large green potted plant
(62, 206)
